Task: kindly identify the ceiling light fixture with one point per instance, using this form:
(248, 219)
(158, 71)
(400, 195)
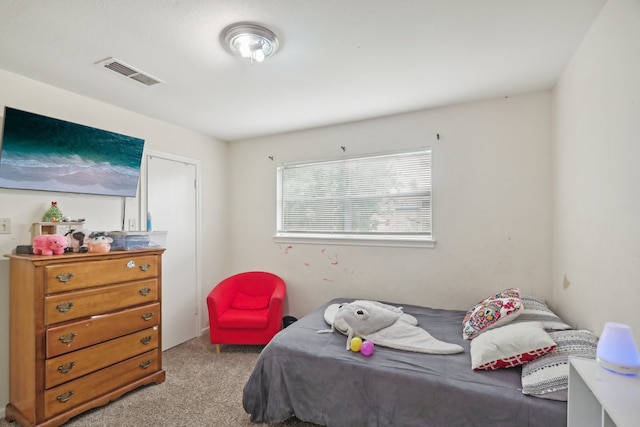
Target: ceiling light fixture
(250, 41)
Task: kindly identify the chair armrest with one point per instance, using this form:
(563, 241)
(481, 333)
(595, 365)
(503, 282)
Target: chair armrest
(221, 297)
(278, 294)
(276, 304)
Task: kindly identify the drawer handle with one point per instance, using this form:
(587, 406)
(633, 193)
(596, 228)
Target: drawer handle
(64, 307)
(145, 364)
(147, 316)
(66, 367)
(145, 267)
(67, 338)
(65, 277)
(65, 396)
(144, 291)
(146, 340)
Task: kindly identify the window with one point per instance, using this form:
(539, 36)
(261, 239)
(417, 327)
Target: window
(378, 199)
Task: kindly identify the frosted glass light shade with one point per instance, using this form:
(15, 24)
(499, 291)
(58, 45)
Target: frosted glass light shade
(617, 350)
(249, 41)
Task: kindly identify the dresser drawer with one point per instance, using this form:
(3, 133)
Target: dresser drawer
(89, 302)
(73, 365)
(83, 333)
(79, 275)
(69, 395)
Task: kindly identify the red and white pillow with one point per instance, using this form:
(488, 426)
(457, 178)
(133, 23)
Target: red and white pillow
(491, 312)
(510, 345)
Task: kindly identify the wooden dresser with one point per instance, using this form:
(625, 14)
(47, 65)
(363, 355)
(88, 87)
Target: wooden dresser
(84, 329)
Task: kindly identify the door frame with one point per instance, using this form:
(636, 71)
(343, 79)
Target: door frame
(142, 217)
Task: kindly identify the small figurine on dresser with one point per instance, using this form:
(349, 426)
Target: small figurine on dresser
(54, 214)
(98, 242)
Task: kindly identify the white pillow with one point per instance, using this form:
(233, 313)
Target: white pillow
(510, 345)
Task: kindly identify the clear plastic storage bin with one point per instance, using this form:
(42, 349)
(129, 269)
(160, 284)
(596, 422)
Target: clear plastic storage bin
(132, 240)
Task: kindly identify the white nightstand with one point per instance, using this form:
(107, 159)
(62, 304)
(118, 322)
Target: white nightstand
(599, 398)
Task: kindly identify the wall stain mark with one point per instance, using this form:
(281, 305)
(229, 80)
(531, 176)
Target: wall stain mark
(333, 260)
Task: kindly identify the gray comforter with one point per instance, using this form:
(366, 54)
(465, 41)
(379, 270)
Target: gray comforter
(313, 377)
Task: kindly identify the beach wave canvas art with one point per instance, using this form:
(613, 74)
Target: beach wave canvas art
(47, 154)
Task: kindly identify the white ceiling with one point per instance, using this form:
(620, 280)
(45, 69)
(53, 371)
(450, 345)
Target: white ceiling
(339, 60)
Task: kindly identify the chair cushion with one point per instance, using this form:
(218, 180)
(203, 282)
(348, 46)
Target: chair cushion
(244, 319)
(243, 301)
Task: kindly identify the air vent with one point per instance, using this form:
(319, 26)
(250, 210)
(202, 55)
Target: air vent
(127, 70)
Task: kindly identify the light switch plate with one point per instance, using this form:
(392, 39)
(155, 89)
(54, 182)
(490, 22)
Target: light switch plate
(5, 226)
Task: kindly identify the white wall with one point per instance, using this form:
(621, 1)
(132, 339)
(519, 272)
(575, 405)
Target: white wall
(596, 152)
(104, 213)
(492, 208)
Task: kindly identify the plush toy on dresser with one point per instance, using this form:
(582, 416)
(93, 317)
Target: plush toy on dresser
(98, 242)
(49, 244)
(77, 240)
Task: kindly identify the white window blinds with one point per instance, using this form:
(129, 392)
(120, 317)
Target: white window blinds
(370, 197)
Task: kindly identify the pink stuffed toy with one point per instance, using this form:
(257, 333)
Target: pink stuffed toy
(49, 244)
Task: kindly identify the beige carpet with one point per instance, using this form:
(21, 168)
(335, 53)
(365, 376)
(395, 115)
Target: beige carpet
(201, 389)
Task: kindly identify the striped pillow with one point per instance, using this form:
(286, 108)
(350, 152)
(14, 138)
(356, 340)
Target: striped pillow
(535, 309)
(548, 376)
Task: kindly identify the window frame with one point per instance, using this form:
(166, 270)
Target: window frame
(392, 240)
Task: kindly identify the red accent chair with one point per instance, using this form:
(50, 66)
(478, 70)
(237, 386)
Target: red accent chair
(246, 309)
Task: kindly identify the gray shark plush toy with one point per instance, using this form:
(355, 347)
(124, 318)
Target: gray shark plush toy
(383, 325)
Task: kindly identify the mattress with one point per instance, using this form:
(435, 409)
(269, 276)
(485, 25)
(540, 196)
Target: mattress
(313, 377)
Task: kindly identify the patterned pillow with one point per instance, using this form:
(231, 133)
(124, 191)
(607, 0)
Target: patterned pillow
(534, 309)
(548, 376)
(510, 345)
(493, 311)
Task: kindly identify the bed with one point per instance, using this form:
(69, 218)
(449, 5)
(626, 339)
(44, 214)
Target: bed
(311, 376)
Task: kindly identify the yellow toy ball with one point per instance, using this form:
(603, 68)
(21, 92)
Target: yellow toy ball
(356, 343)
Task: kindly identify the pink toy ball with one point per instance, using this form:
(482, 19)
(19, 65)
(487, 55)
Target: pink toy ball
(367, 348)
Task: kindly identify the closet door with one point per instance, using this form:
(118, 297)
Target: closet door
(172, 200)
